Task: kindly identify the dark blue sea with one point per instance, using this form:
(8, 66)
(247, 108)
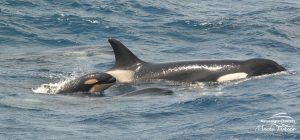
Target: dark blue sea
(46, 42)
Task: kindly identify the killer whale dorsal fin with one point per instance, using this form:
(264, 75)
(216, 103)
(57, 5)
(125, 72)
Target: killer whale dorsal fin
(124, 57)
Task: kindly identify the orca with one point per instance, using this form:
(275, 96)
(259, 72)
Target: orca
(128, 68)
(89, 83)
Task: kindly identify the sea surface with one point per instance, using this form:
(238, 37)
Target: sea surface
(46, 42)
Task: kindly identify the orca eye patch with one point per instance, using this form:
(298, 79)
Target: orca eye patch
(90, 81)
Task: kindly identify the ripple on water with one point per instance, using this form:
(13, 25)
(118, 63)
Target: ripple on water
(17, 108)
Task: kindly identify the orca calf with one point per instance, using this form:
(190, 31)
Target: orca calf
(130, 69)
(89, 83)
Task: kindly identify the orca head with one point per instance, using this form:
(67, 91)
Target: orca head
(263, 66)
(96, 82)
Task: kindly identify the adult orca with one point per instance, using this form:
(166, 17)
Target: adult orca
(130, 69)
(89, 83)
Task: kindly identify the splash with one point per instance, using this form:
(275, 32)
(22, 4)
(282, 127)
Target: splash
(53, 88)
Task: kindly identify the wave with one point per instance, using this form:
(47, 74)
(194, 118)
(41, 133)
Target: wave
(19, 108)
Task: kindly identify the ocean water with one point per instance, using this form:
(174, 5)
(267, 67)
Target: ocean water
(50, 41)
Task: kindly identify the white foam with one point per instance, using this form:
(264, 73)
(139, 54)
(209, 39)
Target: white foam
(53, 88)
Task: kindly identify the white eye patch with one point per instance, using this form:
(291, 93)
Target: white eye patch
(90, 81)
